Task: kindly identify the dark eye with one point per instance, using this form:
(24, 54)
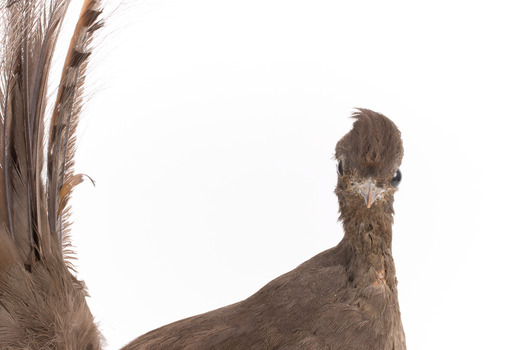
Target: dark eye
(396, 180)
(340, 168)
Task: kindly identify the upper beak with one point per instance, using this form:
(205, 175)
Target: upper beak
(369, 191)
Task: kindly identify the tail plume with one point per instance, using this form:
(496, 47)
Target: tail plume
(42, 304)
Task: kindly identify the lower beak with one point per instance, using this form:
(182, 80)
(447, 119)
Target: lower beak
(370, 192)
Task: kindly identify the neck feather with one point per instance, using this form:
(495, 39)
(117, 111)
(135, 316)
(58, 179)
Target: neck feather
(368, 235)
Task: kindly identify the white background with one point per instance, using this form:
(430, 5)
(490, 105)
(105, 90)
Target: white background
(210, 131)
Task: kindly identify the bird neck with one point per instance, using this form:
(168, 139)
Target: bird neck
(368, 231)
(368, 235)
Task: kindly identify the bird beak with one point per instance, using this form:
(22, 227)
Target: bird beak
(370, 192)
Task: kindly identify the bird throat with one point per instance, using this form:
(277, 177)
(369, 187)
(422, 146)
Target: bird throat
(368, 235)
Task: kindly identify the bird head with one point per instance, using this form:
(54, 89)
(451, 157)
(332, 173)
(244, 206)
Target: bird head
(368, 160)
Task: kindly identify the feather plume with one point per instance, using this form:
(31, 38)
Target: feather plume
(35, 185)
(65, 118)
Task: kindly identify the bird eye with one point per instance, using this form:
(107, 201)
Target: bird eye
(396, 180)
(340, 167)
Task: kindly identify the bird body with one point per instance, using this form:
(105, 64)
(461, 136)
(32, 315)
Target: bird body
(343, 298)
(318, 305)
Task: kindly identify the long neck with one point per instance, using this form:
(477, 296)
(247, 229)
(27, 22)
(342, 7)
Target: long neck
(368, 235)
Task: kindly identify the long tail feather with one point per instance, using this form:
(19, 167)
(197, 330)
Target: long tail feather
(65, 119)
(35, 184)
(30, 40)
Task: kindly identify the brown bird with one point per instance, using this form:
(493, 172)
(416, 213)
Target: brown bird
(42, 303)
(342, 298)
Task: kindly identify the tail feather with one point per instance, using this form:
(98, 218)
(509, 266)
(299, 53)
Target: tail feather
(34, 211)
(30, 43)
(35, 183)
(64, 121)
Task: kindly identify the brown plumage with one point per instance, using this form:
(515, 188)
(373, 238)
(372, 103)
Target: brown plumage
(42, 304)
(343, 298)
